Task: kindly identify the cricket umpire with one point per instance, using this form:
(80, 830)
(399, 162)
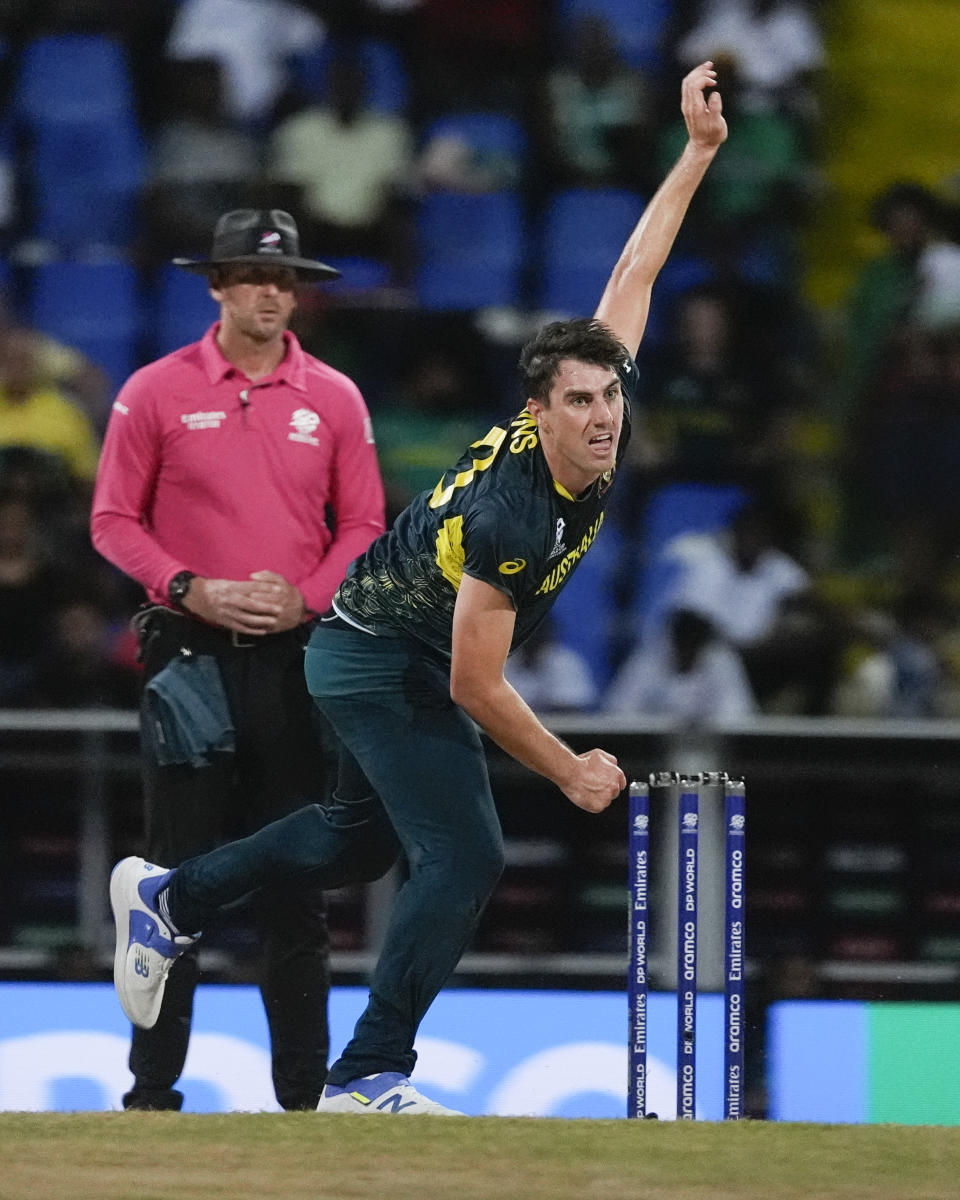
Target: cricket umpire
(238, 480)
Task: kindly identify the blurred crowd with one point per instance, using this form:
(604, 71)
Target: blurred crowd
(784, 537)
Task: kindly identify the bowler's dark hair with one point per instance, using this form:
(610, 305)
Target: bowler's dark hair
(584, 338)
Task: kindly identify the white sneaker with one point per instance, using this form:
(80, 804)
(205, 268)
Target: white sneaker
(146, 946)
(386, 1093)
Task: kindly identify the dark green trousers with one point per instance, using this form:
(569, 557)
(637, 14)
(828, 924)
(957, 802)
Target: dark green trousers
(413, 777)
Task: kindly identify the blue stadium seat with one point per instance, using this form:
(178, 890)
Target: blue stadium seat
(85, 179)
(92, 306)
(582, 233)
(497, 140)
(181, 312)
(359, 275)
(680, 273)
(8, 170)
(676, 509)
(688, 508)
(73, 104)
(471, 250)
(71, 77)
(638, 26)
(388, 81)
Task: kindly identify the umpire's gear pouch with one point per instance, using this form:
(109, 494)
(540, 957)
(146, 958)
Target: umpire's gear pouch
(186, 708)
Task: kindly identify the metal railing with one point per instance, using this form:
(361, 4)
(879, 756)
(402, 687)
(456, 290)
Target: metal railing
(827, 751)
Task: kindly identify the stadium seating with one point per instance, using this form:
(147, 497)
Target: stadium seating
(182, 310)
(680, 273)
(84, 179)
(471, 250)
(497, 141)
(73, 105)
(93, 306)
(8, 171)
(638, 26)
(71, 77)
(582, 233)
(359, 275)
(388, 84)
(675, 509)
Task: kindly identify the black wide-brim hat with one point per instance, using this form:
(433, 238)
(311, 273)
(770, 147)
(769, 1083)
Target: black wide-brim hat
(267, 237)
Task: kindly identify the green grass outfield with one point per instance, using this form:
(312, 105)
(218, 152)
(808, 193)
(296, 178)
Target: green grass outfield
(167, 1156)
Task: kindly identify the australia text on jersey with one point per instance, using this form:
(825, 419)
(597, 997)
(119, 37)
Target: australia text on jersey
(570, 559)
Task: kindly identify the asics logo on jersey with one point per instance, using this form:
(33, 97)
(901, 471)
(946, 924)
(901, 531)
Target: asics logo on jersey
(512, 566)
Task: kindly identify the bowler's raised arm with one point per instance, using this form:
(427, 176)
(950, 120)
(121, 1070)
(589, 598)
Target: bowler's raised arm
(625, 303)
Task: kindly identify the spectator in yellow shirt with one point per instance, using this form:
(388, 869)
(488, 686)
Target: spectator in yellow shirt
(36, 414)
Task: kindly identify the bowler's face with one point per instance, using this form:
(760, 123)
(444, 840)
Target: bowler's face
(257, 301)
(580, 427)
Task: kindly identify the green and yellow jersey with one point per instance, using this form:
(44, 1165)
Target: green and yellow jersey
(499, 516)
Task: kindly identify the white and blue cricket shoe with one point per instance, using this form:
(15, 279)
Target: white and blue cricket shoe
(387, 1093)
(147, 947)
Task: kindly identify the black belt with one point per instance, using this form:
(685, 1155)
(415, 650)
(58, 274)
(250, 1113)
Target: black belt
(196, 635)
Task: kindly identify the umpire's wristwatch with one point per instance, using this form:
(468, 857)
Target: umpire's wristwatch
(178, 587)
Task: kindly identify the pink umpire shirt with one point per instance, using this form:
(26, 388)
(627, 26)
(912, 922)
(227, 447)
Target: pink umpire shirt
(202, 470)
